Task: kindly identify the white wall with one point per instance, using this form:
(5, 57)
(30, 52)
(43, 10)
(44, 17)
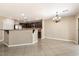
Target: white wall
(63, 30)
(43, 34)
(8, 24)
(77, 27)
(1, 35)
(1, 26)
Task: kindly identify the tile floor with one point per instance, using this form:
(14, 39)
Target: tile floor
(45, 47)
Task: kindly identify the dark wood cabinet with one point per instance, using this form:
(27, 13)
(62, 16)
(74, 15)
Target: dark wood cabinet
(37, 24)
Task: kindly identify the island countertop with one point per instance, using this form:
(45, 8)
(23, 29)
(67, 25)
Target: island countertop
(20, 37)
(22, 29)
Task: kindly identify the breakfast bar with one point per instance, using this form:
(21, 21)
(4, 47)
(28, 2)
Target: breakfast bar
(18, 33)
(20, 37)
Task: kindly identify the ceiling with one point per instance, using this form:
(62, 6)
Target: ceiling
(38, 10)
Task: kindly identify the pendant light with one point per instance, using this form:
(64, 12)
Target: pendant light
(57, 18)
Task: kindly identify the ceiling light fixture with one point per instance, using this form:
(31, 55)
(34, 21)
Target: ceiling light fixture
(23, 17)
(56, 18)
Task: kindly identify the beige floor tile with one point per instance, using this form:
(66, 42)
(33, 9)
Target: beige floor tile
(45, 47)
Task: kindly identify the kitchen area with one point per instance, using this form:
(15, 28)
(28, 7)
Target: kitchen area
(18, 33)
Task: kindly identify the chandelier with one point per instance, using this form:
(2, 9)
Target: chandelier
(56, 18)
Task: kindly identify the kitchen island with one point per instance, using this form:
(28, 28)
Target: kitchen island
(20, 37)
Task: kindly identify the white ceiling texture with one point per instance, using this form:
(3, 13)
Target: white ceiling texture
(35, 11)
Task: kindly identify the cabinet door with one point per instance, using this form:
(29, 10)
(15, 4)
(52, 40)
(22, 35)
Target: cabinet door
(8, 24)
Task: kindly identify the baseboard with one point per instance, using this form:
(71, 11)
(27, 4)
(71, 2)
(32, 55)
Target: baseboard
(5, 43)
(1, 40)
(19, 44)
(75, 42)
(59, 39)
(42, 37)
(35, 42)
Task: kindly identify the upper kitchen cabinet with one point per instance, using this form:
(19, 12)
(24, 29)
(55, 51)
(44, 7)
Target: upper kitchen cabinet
(8, 24)
(36, 24)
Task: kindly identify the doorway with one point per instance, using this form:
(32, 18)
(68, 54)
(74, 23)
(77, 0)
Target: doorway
(78, 30)
(39, 33)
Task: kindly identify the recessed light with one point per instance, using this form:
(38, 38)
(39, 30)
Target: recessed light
(65, 10)
(22, 14)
